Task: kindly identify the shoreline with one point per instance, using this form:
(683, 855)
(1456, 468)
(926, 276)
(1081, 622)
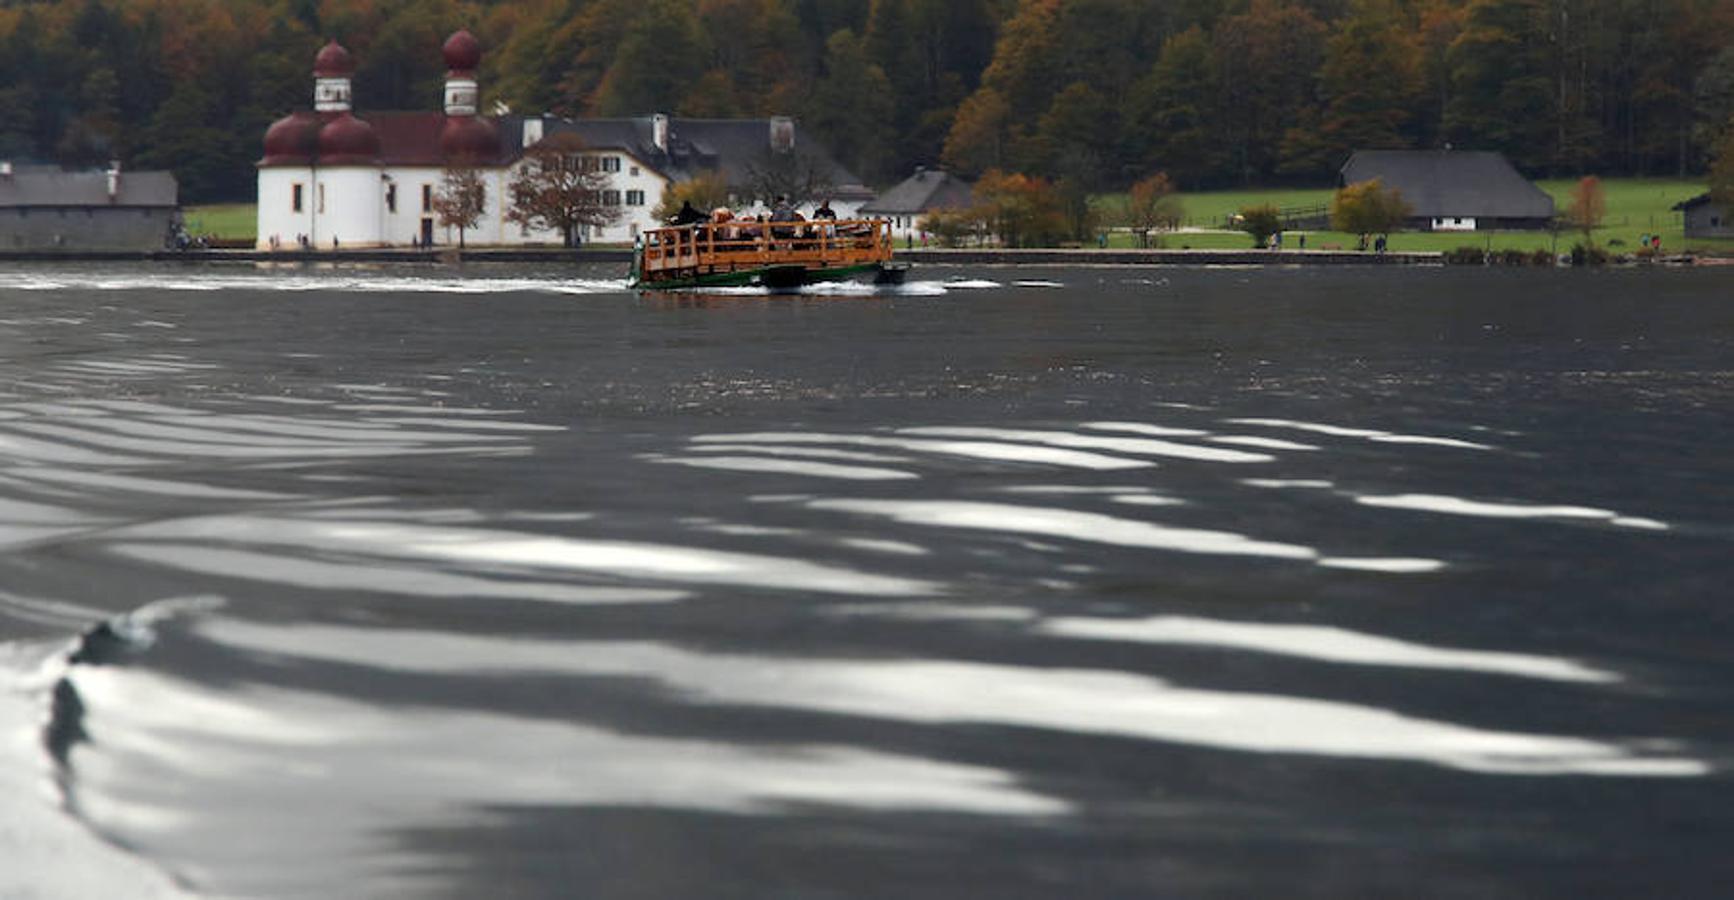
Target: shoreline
(925, 256)
(623, 255)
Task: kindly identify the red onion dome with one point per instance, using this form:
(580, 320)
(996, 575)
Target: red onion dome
(462, 51)
(333, 62)
(292, 140)
(348, 141)
(469, 139)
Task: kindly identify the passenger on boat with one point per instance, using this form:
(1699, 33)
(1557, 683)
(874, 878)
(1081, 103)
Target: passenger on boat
(687, 215)
(783, 212)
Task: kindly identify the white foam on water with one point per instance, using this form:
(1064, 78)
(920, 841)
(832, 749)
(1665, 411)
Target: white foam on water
(1289, 483)
(375, 577)
(1144, 429)
(1241, 440)
(988, 450)
(773, 465)
(1458, 506)
(538, 555)
(298, 283)
(1325, 644)
(1398, 565)
(804, 452)
(1132, 446)
(1384, 437)
(1064, 523)
(945, 693)
(1038, 284)
(972, 284)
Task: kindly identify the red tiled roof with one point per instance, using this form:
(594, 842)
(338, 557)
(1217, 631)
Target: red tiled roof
(413, 139)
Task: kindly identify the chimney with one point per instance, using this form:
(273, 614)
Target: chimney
(782, 134)
(659, 131)
(532, 132)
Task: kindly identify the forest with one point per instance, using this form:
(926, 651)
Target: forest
(1099, 93)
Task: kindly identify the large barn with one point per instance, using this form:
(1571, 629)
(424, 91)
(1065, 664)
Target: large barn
(1454, 190)
(48, 209)
(331, 177)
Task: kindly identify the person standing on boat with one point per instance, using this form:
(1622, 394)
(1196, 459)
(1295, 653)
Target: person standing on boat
(826, 215)
(782, 212)
(687, 215)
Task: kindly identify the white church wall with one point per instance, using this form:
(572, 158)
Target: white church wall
(347, 207)
(277, 215)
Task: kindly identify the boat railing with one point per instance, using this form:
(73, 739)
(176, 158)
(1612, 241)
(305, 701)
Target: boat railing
(721, 247)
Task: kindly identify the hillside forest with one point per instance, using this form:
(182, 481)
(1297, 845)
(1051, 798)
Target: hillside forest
(1216, 93)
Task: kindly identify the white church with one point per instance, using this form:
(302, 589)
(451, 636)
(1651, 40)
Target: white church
(333, 178)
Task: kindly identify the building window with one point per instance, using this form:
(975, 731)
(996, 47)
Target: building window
(427, 198)
(1715, 221)
(295, 198)
(391, 198)
(634, 172)
(610, 198)
(610, 163)
(634, 198)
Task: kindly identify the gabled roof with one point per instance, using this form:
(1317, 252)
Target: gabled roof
(731, 147)
(927, 189)
(1439, 183)
(1694, 203)
(38, 187)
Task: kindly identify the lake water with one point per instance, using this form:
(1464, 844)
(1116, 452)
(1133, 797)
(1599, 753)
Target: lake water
(1010, 584)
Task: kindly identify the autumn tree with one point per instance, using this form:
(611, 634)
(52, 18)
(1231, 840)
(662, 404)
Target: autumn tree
(1025, 211)
(1260, 222)
(558, 188)
(461, 199)
(706, 192)
(1369, 207)
(1587, 207)
(1153, 204)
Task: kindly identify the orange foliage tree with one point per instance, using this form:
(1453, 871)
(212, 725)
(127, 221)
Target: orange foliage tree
(1587, 207)
(1024, 210)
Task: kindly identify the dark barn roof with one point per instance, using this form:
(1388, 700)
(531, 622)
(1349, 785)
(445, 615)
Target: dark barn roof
(927, 189)
(52, 187)
(1452, 183)
(1693, 203)
(732, 147)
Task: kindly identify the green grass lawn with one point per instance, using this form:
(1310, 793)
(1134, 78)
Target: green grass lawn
(1636, 206)
(229, 221)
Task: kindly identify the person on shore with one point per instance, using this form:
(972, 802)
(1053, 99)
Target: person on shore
(1302, 240)
(1379, 244)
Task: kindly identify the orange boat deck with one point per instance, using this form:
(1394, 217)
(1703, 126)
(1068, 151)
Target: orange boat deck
(713, 249)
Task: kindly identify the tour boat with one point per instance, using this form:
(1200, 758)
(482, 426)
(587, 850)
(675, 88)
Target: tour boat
(779, 255)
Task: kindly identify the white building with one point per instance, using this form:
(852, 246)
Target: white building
(331, 178)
